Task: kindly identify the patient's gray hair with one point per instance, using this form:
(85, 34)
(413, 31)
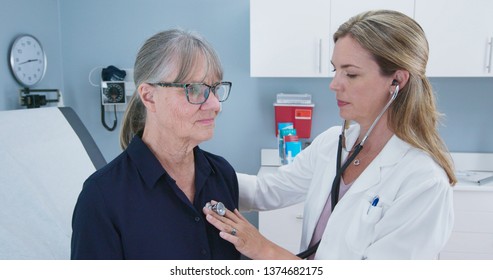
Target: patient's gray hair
(168, 56)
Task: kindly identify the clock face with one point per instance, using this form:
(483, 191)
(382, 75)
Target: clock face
(27, 60)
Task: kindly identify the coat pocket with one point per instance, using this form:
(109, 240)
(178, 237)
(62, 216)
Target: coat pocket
(361, 231)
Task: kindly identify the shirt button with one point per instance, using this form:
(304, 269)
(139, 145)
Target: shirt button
(197, 219)
(203, 252)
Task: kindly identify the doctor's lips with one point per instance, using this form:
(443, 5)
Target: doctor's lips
(341, 103)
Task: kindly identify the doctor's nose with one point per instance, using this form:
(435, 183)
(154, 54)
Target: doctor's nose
(334, 84)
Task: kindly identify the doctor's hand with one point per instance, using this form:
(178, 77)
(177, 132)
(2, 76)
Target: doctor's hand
(245, 237)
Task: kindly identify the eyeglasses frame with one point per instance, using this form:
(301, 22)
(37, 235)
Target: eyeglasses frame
(184, 86)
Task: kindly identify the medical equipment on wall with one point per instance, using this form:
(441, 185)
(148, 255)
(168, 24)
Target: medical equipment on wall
(294, 108)
(334, 193)
(26, 98)
(28, 65)
(112, 92)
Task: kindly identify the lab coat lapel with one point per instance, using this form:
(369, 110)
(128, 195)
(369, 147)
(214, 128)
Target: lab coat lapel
(371, 176)
(390, 155)
(313, 210)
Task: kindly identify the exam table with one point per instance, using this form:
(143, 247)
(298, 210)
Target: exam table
(45, 156)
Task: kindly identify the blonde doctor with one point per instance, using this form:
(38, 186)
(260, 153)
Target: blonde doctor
(379, 188)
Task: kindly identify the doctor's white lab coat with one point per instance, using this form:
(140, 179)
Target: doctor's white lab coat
(412, 220)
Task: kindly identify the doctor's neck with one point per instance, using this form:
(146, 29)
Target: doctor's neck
(380, 134)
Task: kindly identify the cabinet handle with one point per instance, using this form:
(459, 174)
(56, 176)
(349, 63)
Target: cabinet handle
(320, 56)
(490, 54)
(299, 216)
(490, 43)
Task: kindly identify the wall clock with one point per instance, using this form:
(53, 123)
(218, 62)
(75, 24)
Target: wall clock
(27, 60)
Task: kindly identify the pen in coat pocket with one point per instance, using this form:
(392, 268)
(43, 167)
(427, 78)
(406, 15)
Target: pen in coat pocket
(374, 203)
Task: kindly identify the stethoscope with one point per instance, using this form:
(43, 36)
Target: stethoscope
(218, 207)
(334, 193)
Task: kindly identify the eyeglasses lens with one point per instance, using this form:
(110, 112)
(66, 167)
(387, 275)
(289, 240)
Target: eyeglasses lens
(198, 93)
(221, 91)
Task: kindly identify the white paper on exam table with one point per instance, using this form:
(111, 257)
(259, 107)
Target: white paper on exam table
(472, 176)
(43, 166)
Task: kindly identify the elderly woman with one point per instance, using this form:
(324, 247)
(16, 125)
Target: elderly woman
(147, 203)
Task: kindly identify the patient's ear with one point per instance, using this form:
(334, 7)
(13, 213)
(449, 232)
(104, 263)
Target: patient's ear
(146, 92)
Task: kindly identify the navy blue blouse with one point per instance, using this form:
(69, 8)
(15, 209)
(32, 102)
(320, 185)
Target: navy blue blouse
(132, 209)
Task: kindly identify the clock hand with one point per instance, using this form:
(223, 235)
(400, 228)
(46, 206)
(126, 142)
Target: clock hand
(29, 60)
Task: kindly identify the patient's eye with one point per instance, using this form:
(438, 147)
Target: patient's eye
(195, 90)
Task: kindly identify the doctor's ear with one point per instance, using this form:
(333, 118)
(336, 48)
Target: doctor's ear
(400, 78)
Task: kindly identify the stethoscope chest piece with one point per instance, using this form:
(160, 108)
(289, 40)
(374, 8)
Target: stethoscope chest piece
(219, 208)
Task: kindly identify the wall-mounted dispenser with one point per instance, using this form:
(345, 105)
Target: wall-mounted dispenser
(297, 109)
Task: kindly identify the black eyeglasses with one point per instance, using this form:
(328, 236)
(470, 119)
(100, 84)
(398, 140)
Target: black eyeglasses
(197, 93)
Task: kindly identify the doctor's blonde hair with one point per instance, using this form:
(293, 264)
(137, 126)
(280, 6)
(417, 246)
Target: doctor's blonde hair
(396, 41)
(168, 56)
